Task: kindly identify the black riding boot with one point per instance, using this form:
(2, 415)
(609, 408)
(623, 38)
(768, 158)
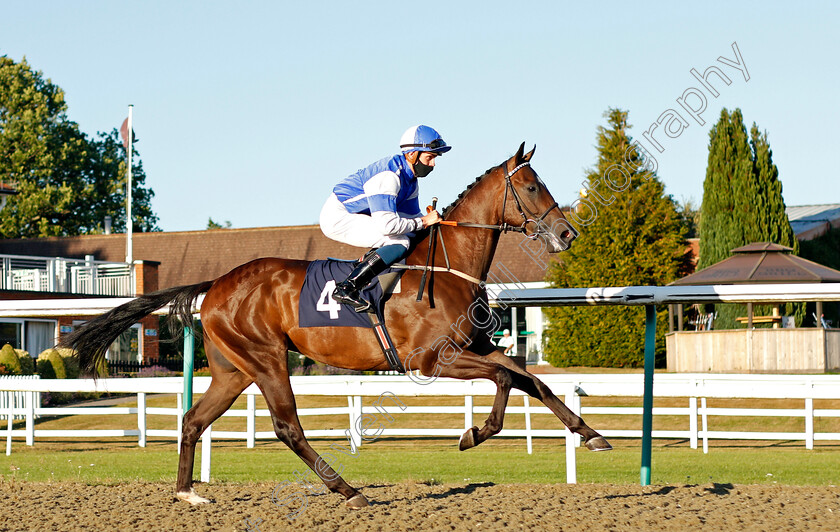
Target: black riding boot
(347, 291)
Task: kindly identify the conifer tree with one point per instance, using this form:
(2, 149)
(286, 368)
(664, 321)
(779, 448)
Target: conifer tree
(728, 181)
(636, 239)
(773, 223)
(742, 202)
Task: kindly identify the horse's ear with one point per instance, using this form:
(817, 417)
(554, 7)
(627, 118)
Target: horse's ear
(517, 159)
(527, 157)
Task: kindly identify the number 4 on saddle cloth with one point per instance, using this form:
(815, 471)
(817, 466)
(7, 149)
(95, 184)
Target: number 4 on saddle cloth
(317, 308)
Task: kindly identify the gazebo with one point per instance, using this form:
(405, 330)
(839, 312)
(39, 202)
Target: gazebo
(757, 350)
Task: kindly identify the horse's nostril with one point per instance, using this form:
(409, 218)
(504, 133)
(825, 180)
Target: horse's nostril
(566, 234)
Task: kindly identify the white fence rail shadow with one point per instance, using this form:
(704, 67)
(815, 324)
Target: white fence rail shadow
(381, 396)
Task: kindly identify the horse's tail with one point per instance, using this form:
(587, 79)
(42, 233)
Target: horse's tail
(92, 340)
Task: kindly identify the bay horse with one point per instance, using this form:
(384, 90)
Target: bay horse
(250, 320)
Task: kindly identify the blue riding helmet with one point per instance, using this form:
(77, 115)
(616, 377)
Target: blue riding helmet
(423, 138)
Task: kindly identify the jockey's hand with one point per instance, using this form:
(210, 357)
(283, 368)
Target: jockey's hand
(431, 219)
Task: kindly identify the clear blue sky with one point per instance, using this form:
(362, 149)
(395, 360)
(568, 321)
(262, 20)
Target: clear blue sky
(252, 112)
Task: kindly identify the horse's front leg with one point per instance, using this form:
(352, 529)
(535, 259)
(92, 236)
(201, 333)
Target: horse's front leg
(495, 421)
(469, 365)
(500, 369)
(530, 384)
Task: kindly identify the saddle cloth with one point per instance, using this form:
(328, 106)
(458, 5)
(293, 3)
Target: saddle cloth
(317, 308)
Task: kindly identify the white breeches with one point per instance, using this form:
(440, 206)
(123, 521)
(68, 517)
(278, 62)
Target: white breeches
(355, 229)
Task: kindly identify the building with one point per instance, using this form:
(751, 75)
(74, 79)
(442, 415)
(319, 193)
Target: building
(86, 266)
(812, 221)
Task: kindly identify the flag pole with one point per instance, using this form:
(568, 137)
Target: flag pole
(129, 252)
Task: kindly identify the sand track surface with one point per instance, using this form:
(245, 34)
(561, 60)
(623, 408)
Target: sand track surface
(418, 506)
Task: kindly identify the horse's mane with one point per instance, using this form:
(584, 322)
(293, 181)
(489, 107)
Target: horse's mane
(460, 197)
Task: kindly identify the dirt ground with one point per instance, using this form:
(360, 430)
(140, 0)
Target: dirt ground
(418, 506)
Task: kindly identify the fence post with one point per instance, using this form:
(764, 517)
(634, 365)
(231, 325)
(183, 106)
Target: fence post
(571, 464)
(809, 423)
(11, 418)
(30, 418)
(357, 408)
(251, 420)
(576, 408)
(468, 412)
(528, 437)
(705, 418)
(141, 417)
(180, 418)
(692, 421)
(355, 437)
(206, 444)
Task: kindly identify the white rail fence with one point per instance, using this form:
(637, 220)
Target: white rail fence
(372, 396)
(16, 400)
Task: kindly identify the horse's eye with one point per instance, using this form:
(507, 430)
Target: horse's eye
(532, 188)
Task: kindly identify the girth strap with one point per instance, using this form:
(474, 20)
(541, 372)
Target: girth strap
(385, 342)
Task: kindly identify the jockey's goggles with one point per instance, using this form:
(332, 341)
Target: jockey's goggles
(432, 146)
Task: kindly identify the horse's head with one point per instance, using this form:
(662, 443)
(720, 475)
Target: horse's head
(528, 204)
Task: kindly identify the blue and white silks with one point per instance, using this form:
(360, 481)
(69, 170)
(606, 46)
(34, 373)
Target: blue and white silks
(387, 191)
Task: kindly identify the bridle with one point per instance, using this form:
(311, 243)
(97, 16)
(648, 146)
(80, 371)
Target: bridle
(529, 218)
(525, 220)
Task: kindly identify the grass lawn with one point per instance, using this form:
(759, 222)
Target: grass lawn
(435, 460)
(500, 460)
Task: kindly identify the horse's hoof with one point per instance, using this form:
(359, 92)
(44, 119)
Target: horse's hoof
(468, 439)
(598, 443)
(191, 497)
(357, 501)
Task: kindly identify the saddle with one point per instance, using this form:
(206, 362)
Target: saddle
(317, 308)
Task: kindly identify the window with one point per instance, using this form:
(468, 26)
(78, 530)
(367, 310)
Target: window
(33, 336)
(11, 333)
(39, 336)
(126, 348)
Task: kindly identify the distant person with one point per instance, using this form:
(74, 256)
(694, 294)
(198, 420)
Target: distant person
(378, 207)
(508, 343)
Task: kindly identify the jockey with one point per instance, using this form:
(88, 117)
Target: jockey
(378, 207)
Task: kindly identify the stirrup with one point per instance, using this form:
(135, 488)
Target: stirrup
(352, 298)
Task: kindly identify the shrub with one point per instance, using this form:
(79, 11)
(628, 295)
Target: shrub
(44, 368)
(9, 358)
(156, 371)
(71, 362)
(27, 363)
(57, 362)
(51, 365)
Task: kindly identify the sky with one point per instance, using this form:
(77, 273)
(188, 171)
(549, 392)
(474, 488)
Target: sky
(251, 113)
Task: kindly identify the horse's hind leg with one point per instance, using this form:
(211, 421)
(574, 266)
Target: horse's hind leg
(277, 391)
(226, 385)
